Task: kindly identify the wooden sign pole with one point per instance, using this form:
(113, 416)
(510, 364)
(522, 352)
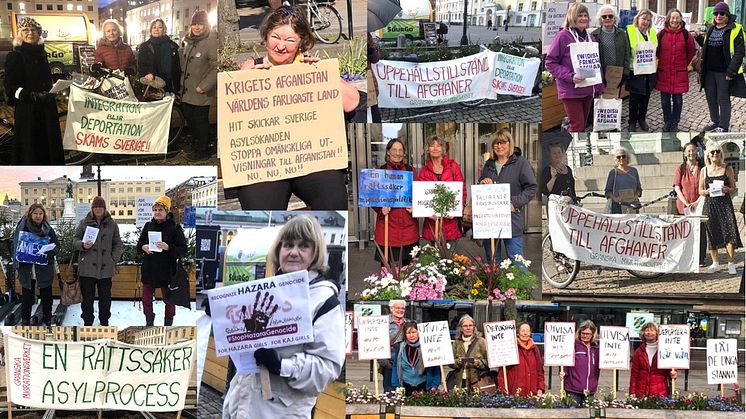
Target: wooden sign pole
(673, 387)
(613, 382)
(266, 386)
(386, 237)
(505, 378)
(375, 376)
(562, 381)
(492, 246)
(722, 391)
(443, 378)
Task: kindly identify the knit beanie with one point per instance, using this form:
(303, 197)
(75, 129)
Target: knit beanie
(200, 17)
(722, 7)
(163, 201)
(98, 202)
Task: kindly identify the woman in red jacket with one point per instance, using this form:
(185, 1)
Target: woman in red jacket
(439, 167)
(404, 231)
(526, 378)
(675, 52)
(112, 52)
(646, 379)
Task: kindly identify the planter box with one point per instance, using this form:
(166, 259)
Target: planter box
(552, 109)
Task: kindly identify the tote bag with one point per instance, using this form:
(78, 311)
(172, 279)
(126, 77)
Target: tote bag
(607, 114)
(586, 61)
(644, 60)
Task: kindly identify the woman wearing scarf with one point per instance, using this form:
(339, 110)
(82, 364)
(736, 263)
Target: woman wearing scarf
(408, 370)
(646, 379)
(35, 227)
(111, 51)
(159, 57)
(526, 378)
(470, 354)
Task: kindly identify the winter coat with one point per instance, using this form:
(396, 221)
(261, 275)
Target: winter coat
(158, 267)
(403, 228)
(451, 173)
(413, 375)
(528, 375)
(584, 374)
(733, 59)
(479, 353)
(199, 67)
(516, 172)
(647, 379)
(26, 271)
(100, 260)
(559, 63)
(621, 43)
(675, 52)
(640, 84)
(115, 55)
(147, 63)
(38, 139)
(306, 370)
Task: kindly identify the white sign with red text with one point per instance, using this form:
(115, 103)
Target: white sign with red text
(559, 344)
(502, 347)
(373, 337)
(435, 341)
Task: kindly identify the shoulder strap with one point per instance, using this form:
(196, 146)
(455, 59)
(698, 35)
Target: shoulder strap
(396, 336)
(474, 342)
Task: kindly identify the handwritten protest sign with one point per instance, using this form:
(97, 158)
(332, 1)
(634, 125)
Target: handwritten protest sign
(502, 349)
(559, 343)
(630, 241)
(722, 361)
(673, 346)
(265, 118)
(144, 205)
(435, 341)
(365, 310)
(422, 196)
(613, 348)
(29, 247)
(349, 316)
(373, 337)
(412, 85)
(490, 206)
(98, 124)
(514, 75)
(102, 374)
(384, 188)
(659, 21)
(556, 13)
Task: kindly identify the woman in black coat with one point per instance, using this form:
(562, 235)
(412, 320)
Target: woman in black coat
(28, 78)
(159, 57)
(159, 262)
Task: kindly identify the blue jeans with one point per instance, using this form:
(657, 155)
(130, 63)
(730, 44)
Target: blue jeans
(513, 247)
(672, 116)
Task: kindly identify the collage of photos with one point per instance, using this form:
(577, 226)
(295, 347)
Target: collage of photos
(224, 209)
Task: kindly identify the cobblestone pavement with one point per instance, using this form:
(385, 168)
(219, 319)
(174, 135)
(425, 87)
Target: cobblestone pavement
(210, 403)
(503, 109)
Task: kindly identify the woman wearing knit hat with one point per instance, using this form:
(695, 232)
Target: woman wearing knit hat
(722, 59)
(28, 78)
(199, 79)
(159, 263)
(111, 51)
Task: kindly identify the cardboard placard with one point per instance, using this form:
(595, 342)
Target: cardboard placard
(673, 346)
(613, 76)
(373, 337)
(435, 342)
(502, 347)
(491, 216)
(559, 344)
(613, 348)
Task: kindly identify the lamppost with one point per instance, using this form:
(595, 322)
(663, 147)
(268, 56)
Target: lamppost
(464, 39)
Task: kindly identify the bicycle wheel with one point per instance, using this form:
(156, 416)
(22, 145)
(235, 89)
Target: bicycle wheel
(557, 269)
(644, 275)
(326, 24)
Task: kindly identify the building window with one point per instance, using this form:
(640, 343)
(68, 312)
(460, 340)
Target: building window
(38, 7)
(121, 190)
(90, 8)
(129, 190)
(113, 190)
(533, 5)
(147, 189)
(10, 6)
(129, 212)
(157, 189)
(520, 7)
(138, 189)
(121, 212)
(59, 7)
(178, 12)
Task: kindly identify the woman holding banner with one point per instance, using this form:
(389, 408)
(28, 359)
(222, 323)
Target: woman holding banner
(686, 185)
(34, 228)
(438, 167)
(622, 185)
(576, 100)
(408, 370)
(613, 45)
(504, 166)
(470, 354)
(526, 378)
(675, 52)
(643, 43)
(112, 52)
(581, 380)
(298, 373)
(404, 231)
(646, 379)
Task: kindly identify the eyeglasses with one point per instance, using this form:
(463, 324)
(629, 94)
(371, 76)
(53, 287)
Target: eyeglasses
(713, 152)
(499, 143)
(607, 17)
(720, 14)
(621, 157)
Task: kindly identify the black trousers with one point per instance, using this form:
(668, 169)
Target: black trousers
(88, 286)
(323, 190)
(197, 118)
(638, 106)
(27, 301)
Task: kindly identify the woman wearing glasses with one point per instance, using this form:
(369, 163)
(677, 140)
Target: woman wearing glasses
(581, 380)
(716, 185)
(623, 184)
(722, 55)
(675, 52)
(613, 44)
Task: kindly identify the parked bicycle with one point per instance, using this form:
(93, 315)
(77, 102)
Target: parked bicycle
(325, 20)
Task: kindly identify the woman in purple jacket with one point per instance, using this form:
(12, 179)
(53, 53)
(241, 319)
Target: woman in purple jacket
(581, 381)
(577, 101)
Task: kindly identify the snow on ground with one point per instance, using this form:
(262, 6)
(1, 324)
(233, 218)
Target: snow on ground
(129, 313)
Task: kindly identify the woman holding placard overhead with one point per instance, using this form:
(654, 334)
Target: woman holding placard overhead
(403, 230)
(409, 370)
(526, 378)
(581, 379)
(643, 43)
(646, 379)
(578, 81)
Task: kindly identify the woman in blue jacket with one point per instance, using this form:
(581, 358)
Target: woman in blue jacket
(408, 369)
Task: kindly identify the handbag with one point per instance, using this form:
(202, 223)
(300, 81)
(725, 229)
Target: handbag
(70, 293)
(178, 287)
(487, 383)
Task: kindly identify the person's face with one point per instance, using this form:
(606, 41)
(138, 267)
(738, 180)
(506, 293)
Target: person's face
(500, 148)
(397, 311)
(556, 155)
(675, 20)
(111, 32)
(467, 328)
(721, 18)
(37, 216)
(435, 150)
(586, 335)
(282, 44)
(412, 335)
(715, 155)
(197, 29)
(29, 36)
(690, 153)
(524, 332)
(157, 29)
(159, 213)
(396, 153)
(650, 335)
(98, 212)
(607, 18)
(295, 255)
(644, 22)
(581, 21)
(621, 159)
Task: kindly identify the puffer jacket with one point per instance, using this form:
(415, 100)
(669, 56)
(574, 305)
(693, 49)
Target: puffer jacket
(518, 173)
(403, 228)
(451, 173)
(479, 353)
(199, 68)
(158, 267)
(527, 377)
(646, 379)
(100, 260)
(675, 52)
(584, 374)
(44, 274)
(115, 55)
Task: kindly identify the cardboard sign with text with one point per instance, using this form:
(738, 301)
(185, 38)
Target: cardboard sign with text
(559, 344)
(373, 337)
(422, 195)
(613, 342)
(384, 188)
(673, 346)
(722, 361)
(490, 206)
(435, 341)
(144, 205)
(502, 347)
(280, 123)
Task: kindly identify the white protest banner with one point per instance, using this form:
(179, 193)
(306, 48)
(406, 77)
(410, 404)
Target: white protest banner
(559, 344)
(659, 21)
(422, 197)
(270, 312)
(514, 75)
(722, 361)
(265, 116)
(613, 342)
(373, 338)
(673, 346)
(607, 114)
(411, 85)
(631, 241)
(435, 341)
(98, 124)
(102, 374)
(635, 321)
(349, 316)
(363, 310)
(490, 208)
(144, 205)
(556, 13)
(502, 348)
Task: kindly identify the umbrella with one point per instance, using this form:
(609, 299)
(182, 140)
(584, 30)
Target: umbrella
(380, 13)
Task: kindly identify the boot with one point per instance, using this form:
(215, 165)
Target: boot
(667, 127)
(149, 319)
(168, 321)
(674, 128)
(632, 126)
(643, 125)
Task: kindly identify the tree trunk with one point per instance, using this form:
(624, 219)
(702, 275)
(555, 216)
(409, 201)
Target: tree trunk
(228, 27)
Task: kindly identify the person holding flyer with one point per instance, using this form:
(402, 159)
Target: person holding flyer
(577, 84)
(675, 52)
(643, 44)
(686, 185)
(613, 44)
(31, 275)
(581, 380)
(158, 264)
(646, 379)
(408, 370)
(526, 378)
(622, 185)
(470, 354)
(298, 373)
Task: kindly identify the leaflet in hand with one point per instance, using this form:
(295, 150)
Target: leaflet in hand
(90, 235)
(60, 85)
(716, 188)
(153, 238)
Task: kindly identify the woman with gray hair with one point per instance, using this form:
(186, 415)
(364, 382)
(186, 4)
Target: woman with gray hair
(623, 184)
(470, 354)
(613, 44)
(581, 380)
(111, 51)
